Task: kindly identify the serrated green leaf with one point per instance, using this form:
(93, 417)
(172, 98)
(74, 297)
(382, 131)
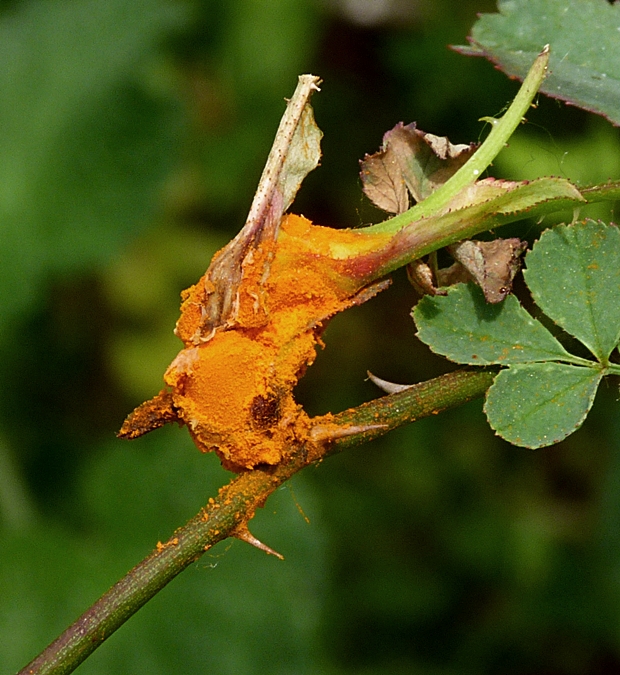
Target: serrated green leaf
(538, 404)
(584, 37)
(465, 328)
(573, 272)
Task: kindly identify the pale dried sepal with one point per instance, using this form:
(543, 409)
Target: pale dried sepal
(303, 155)
(295, 152)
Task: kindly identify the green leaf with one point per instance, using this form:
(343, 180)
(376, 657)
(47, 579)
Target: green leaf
(538, 404)
(465, 328)
(573, 272)
(584, 68)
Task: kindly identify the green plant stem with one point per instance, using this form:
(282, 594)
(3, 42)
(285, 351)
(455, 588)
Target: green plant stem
(533, 199)
(227, 514)
(501, 131)
(606, 192)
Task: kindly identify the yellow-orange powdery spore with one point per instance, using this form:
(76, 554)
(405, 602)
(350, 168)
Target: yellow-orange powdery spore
(234, 390)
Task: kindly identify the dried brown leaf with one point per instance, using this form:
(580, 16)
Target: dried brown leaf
(413, 161)
(491, 264)
(422, 278)
(383, 182)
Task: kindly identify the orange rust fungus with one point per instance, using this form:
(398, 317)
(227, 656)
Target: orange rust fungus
(171, 542)
(232, 385)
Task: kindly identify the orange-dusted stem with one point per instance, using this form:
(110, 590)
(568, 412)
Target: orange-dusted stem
(233, 387)
(234, 505)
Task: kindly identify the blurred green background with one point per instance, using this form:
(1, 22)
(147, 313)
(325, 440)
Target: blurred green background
(132, 136)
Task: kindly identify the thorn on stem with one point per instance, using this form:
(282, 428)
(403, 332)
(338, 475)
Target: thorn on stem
(323, 432)
(244, 534)
(152, 414)
(387, 387)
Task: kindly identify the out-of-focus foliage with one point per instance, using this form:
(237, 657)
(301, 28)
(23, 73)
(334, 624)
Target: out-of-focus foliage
(81, 104)
(138, 133)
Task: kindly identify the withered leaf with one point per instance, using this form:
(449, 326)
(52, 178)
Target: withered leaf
(383, 182)
(410, 162)
(423, 279)
(491, 264)
(454, 274)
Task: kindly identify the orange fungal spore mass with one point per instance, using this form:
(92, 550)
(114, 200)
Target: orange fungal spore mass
(233, 387)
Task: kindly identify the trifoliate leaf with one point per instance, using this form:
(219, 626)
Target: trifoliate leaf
(538, 404)
(573, 272)
(544, 395)
(465, 328)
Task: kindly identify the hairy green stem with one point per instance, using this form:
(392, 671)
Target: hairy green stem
(227, 514)
(501, 131)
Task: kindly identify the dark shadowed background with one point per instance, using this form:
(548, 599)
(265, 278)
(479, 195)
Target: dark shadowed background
(132, 137)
